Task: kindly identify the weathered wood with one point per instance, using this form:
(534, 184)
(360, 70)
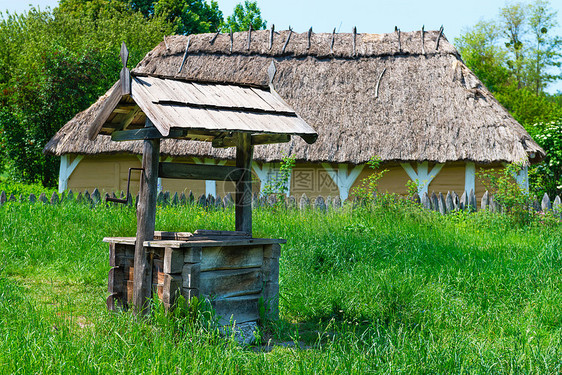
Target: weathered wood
(319, 204)
(271, 32)
(226, 234)
(239, 309)
(171, 289)
(3, 198)
(379, 83)
(231, 283)
(13, 198)
(557, 206)
(426, 203)
(473, 206)
(231, 257)
(243, 208)
(199, 172)
(434, 202)
(161, 235)
(249, 37)
(272, 251)
(43, 198)
(441, 205)
(287, 40)
(192, 255)
(309, 37)
(333, 40)
(271, 300)
(354, 40)
(96, 196)
(455, 197)
(212, 41)
(485, 202)
(449, 203)
(33, 198)
(545, 203)
(257, 139)
(304, 202)
(463, 201)
(438, 38)
(423, 40)
(136, 134)
(173, 260)
(111, 102)
(184, 55)
(55, 198)
(191, 275)
(146, 217)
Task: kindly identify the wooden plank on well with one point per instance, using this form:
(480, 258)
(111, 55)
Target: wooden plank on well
(171, 289)
(191, 275)
(192, 255)
(173, 260)
(231, 257)
(239, 309)
(230, 283)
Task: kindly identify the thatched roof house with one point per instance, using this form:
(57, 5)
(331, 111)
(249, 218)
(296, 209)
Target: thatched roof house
(405, 97)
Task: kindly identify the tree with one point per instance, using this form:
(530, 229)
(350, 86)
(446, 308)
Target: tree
(516, 55)
(190, 17)
(518, 45)
(55, 64)
(244, 16)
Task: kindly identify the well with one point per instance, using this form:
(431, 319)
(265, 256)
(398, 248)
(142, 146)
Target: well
(239, 275)
(235, 271)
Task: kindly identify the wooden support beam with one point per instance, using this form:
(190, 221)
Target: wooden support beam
(129, 118)
(199, 172)
(146, 218)
(243, 205)
(257, 139)
(144, 134)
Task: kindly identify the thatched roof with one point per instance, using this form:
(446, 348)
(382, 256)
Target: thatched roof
(388, 95)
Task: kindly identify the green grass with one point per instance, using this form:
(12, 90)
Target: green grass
(379, 290)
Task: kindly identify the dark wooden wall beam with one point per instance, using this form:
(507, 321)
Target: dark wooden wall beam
(243, 202)
(146, 218)
(199, 172)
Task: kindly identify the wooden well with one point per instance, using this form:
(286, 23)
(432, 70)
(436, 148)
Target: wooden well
(231, 269)
(234, 272)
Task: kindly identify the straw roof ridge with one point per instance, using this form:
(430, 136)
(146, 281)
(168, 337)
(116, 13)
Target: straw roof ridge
(389, 98)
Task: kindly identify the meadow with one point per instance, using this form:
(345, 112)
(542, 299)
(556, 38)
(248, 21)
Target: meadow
(384, 289)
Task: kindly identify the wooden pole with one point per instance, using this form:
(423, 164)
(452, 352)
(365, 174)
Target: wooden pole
(243, 208)
(146, 217)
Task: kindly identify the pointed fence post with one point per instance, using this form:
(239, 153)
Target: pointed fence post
(545, 203)
(472, 201)
(449, 203)
(485, 203)
(425, 201)
(557, 206)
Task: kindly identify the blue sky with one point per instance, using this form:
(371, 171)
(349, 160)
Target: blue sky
(369, 16)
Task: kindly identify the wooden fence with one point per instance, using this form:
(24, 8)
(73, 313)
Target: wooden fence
(437, 202)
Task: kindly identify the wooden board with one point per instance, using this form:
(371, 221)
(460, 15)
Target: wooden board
(231, 257)
(231, 283)
(240, 309)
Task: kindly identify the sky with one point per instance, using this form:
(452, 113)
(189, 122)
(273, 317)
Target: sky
(374, 16)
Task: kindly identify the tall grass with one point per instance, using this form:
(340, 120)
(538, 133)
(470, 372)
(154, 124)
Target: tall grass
(396, 290)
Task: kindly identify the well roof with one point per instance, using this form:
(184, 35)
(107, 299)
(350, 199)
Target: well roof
(398, 96)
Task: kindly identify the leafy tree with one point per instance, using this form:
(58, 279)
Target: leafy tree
(516, 56)
(244, 16)
(190, 17)
(55, 64)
